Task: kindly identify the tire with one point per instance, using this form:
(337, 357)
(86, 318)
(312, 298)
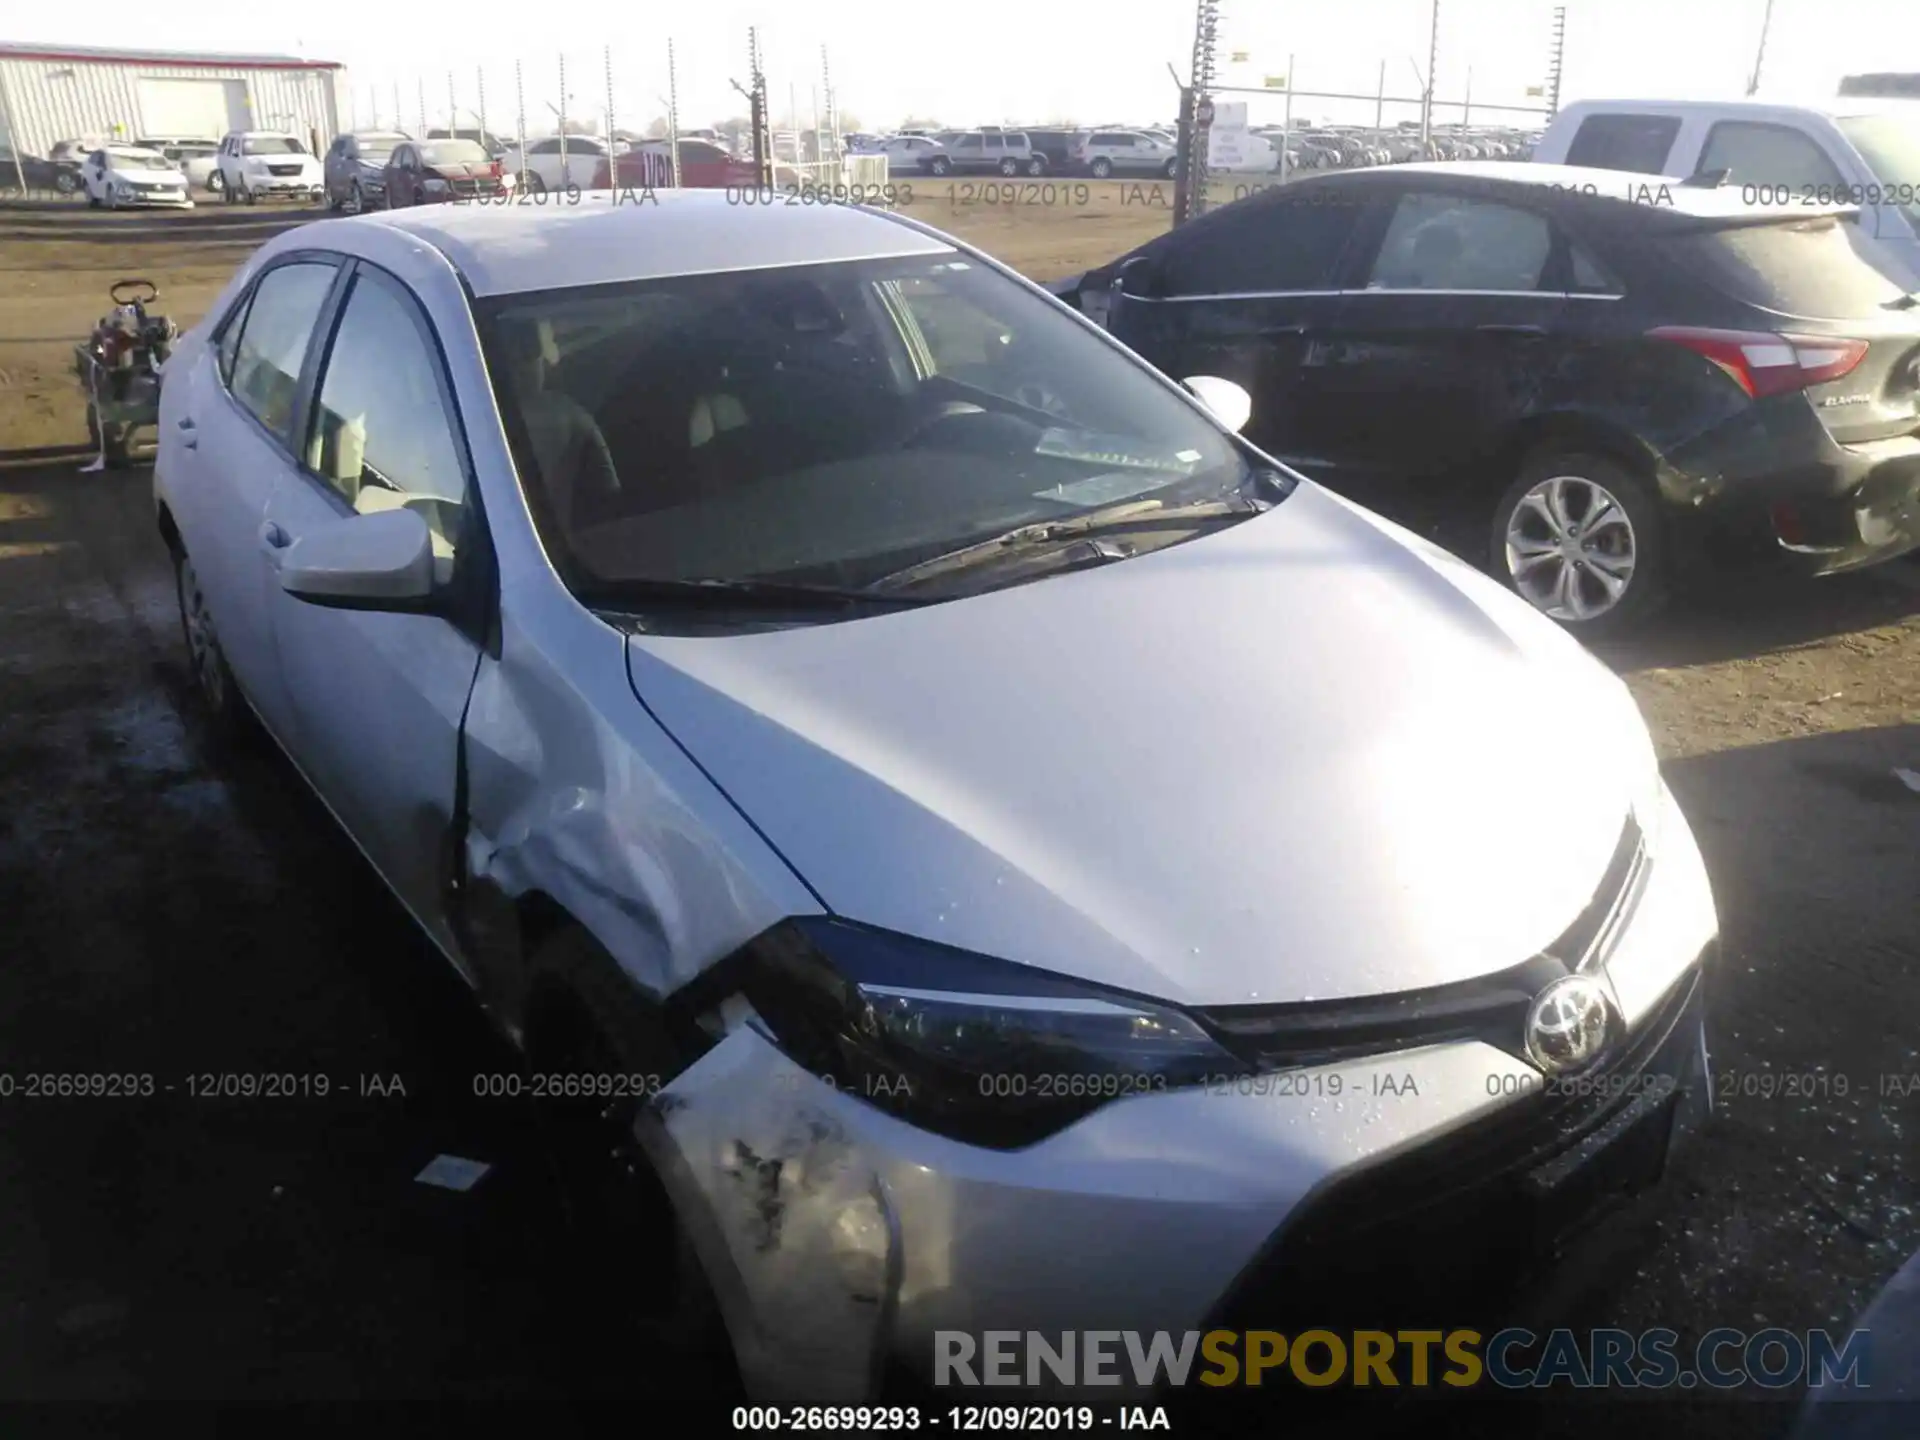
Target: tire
(216, 183)
(1572, 485)
(247, 194)
(1037, 166)
(534, 183)
(939, 165)
(222, 707)
(1101, 168)
(93, 200)
(66, 182)
(356, 200)
(1170, 168)
(584, 1018)
(1009, 167)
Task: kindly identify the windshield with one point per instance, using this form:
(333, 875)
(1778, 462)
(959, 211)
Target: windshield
(138, 160)
(825, 425)
(1891, 145)
(271, 145)
(453, 152)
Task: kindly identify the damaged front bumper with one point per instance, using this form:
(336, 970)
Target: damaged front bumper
(841, 1241)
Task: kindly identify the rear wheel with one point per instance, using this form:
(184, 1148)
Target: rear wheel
(939, 165)
(1580, 538)
(221, 704)
(1101, 168)
(586, 1020)
(1037, 166)
(1168, 168)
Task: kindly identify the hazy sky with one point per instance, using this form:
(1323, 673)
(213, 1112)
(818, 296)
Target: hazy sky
(1031, 60)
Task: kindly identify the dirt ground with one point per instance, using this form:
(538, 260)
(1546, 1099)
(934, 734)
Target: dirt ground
(160, 914)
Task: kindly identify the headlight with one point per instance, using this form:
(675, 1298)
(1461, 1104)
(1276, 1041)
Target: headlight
(978, 1049)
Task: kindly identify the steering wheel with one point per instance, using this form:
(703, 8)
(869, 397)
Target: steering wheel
(152, 293)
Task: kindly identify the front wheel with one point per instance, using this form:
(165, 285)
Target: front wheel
(247, 194)
(66, 182)
(584, 1019)
(939, 165)
(1580, 538)
(1168, 168)
(1102, 168)
(356, 200)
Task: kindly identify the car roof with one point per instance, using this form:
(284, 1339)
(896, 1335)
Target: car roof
(614, 236)
(1589, 185)
(1845, 106)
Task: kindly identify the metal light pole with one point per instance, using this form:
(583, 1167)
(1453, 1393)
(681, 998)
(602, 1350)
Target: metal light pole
(421, 86)
(14, 142)
(399, 113)
(608, 55)
(480, 94)
(1466, 107)
(560, 115)
(520, 123)
(1760, 55)
(453, 107)
(1380, 100)
(1433, 63)
(673, 116)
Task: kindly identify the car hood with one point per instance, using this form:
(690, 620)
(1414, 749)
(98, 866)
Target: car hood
(1307, 757)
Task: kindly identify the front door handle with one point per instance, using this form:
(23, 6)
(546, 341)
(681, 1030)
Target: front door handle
(274, 541)
(1533, 332)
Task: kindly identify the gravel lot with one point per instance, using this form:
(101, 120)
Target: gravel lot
(166, 916)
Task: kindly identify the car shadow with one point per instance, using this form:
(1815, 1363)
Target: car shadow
(1742, 617)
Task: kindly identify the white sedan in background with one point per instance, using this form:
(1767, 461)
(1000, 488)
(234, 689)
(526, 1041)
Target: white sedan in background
(129, 175)
(919, 785)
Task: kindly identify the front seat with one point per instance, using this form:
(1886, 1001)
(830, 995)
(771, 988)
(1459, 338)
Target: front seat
(577, 473)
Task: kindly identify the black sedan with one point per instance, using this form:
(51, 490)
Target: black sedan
(57, 176)
(1589, 378)
(356, 169)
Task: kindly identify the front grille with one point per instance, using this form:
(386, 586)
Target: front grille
(1438, 1236)
(283, 169)
(1492, 1008)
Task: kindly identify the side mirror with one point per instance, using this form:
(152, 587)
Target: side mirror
(1231, 405)
(379, 561)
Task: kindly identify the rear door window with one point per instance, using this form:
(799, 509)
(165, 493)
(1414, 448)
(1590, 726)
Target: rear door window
(1757, 154)
(265, 374)
(1624, 142)
(1805, 267)
(1273, 247)
(1453, 242)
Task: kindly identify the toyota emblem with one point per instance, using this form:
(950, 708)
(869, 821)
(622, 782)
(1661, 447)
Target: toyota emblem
(1569, 1025)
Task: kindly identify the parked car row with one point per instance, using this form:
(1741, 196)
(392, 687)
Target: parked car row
(1124, 151)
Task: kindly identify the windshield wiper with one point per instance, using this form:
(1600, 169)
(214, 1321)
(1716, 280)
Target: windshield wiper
(740, 594)
(1128, 515)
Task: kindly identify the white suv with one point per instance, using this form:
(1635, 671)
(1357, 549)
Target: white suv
(1101, 153)
(257, 163)
(1859, 152)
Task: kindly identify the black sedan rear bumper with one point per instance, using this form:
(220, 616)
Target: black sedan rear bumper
(1774, 486)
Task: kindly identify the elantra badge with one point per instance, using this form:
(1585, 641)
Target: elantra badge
(1569, 1025)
